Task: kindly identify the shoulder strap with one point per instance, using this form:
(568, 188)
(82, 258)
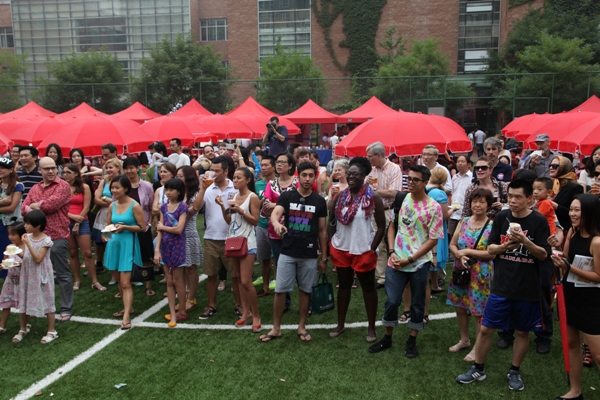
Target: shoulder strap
(397, 205)
(481, 234)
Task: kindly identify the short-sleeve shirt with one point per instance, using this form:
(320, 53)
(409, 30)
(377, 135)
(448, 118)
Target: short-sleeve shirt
(517, 272)
(302, 222)
(260, 187)
(29, 179)
(216, 226)
(479, 137)
(276, 146)
(502, 172)
(389, 177)
(418, 221)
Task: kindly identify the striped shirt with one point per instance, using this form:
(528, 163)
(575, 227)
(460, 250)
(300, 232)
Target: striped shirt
(29, 179)
(389, 177)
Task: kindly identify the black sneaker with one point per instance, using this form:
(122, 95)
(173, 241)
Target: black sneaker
(543, 348)
(503, 344)
(411, 349)
(380, 346)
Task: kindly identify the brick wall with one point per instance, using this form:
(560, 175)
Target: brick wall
(510, 16)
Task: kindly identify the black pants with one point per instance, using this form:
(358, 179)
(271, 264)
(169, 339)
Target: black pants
(545, 336)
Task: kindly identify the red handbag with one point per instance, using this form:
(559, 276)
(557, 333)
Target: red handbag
(236, 247)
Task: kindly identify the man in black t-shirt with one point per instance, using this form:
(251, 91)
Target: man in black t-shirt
(304, 234)
(519, 239)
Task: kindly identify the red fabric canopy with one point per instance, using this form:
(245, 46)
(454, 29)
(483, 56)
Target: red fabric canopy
(81, 111)
(251, 106)
(585, 138)
(169, 126)
(137, 112)
(521, 127)
(311, 113)
(28, 111)
(371, 109)
(559, 127)
(590, 105)
(35, 131)
(192, 109)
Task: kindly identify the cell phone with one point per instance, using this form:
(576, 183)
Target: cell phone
(230, 146)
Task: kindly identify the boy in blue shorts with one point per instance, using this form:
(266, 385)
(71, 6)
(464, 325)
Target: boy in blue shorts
(519, 239)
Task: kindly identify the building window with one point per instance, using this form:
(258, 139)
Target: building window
(478, 34)
(212, 30)
(6, 37)
(285, 20)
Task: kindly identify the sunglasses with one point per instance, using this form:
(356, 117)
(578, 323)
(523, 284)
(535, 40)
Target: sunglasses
(414, 180)
(554, 166)
(596, 174)
(481, 168)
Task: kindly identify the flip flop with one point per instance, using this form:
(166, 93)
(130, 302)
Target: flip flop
(303, 337)
(125, 326)
(121, 313)
(150, 292)
(334, 334)
(64, 318)
(267, 336)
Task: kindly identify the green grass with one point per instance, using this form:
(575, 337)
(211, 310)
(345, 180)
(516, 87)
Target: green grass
(181, 363)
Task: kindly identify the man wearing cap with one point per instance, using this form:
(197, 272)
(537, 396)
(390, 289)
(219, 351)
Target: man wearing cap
(53, 196)
(540, 164)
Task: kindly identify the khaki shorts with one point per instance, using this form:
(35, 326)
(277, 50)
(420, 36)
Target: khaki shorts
(214, 258)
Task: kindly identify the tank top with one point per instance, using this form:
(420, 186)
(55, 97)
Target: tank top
(106, 190)
(240, 227)
(579, 246)
(76, 206)
(356, 237)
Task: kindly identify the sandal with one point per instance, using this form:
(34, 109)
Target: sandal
(2, 331)
(99, 287)
(587, 356)
(19, 336)
(76, 286)
(404, 317)
(64, 318)
(125, 326)
(426, 319)
(470, 357)
(459, 346)
(121, 313)
(118, 296)
(150, 292)
(50, 337)
(354, 284)
(190, 304)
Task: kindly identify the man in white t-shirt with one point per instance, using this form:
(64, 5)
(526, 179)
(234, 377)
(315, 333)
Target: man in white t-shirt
(479, 139)
(182, 158)
(334, 140)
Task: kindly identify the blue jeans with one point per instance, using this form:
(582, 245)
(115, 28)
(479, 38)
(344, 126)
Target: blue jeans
(395, 282)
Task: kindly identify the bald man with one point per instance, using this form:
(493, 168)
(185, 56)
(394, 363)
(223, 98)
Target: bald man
(52, 196)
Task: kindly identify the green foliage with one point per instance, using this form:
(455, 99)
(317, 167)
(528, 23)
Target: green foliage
(414, 58)
(180, 70)
(516, 3)
(574, 20)
(288, 80)
(72, 78)
(11, 71)
(571, 59)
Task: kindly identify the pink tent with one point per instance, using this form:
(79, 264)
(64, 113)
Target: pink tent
(371, 109)
(137, 112)
(312, 113)
(28, 111)
(590, 105)
(191, 109)
(81, 111)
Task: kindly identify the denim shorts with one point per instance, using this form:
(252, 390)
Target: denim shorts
(84, 227)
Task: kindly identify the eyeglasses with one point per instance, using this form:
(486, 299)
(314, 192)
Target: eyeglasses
(554, 166)
(414, 180)
(481, 168)
(48, 169)
(596, 174)
(67, 172)
(429, 155)
(281, 162)
(349, 174)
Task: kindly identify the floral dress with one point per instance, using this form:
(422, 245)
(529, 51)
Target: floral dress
(36, 286)
(193, 246)
(172, 247)
(10, 290)
(475, 296)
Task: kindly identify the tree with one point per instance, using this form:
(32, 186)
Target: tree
(288, 80)
(414, 58)
(180, 70)
(91, 77)
(11, 71)
(561, 19)
(570, 59)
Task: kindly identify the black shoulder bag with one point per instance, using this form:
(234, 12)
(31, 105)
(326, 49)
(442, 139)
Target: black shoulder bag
(462, 277)
(140, 273)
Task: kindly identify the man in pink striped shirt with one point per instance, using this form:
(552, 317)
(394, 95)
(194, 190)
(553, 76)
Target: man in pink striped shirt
(52, 196)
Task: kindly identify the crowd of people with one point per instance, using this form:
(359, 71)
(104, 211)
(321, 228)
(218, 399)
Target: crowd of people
(381, 221)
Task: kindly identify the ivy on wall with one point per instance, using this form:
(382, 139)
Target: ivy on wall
(516, 3)
(360, 21)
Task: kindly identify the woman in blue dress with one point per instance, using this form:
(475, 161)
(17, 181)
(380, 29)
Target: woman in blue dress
(123, 248)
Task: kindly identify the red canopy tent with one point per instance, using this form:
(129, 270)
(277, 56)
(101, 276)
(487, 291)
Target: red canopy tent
(251, 106)
(590, 105)
(81, 111)
(370, 109)
(5, 144)
(312, 113)
(191, 109)
(585, 138)
(170, 126)
(35, 131)
(226, 127)
(559, 127)
(137, 112)
(405, 133)
(522, 127)
(28, 111)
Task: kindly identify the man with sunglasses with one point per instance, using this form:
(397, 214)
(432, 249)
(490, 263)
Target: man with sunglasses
(414, 234)
(540, 163)
(304, 233)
